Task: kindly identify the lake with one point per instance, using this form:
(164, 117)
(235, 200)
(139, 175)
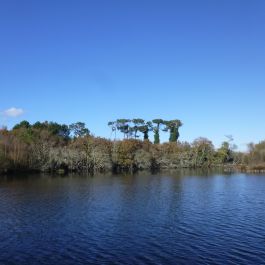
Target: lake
(183, 217)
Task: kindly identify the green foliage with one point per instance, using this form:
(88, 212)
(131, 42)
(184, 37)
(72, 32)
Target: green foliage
(23, 124)
(156, 129)
(130, 128)
(79, 129)
(173, 127)
(53, 127)
(145, 129)
(123, 126)
(156, 136)
(137, 124)
(174, 134)
(158, 122)
(224, 153)
(203, 152)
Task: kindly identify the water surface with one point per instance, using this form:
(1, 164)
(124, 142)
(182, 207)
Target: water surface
(169, 218)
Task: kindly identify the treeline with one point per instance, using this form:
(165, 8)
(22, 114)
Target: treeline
(49, 146)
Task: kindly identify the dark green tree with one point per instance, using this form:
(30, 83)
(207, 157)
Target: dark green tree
(224, 153)
(156, 136)
(40, 125)
(156, 129)
(23, 124)
(123, 127)
(173, 127)
(145, 129)
(53, 127)
(137, 124)
(79, 129)
(58, 129)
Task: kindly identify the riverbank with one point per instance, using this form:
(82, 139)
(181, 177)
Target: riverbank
(245, 168)
(217, 168)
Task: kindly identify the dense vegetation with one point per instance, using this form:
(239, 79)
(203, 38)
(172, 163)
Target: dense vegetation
(49, 146)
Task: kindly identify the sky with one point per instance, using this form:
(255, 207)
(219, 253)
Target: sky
(202, 62)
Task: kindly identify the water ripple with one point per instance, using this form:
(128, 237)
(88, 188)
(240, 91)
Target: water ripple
(141, 219)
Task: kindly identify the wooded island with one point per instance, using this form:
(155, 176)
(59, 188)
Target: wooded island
(50, 146)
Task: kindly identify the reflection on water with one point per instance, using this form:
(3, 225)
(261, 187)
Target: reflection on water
(168, 218)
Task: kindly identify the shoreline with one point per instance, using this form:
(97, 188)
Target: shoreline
(224, 168)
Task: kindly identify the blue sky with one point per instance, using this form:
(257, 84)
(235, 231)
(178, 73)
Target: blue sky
(94, 61)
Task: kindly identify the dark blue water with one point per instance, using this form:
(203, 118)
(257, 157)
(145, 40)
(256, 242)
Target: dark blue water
(170, 218)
